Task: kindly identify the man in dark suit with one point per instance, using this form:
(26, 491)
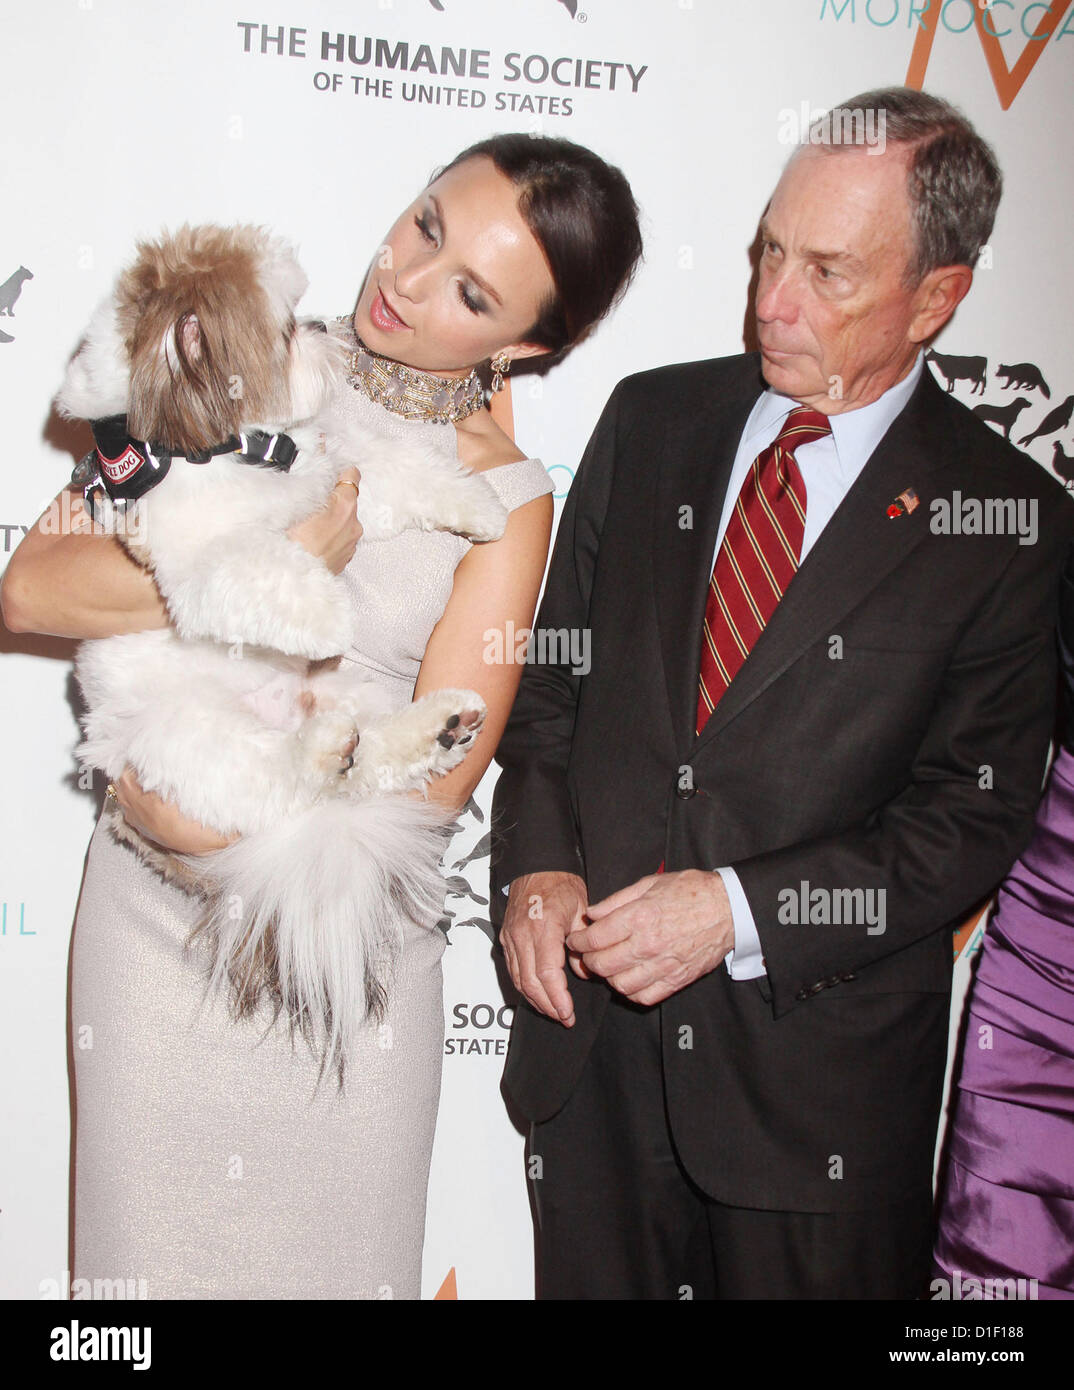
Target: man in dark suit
(811, 737)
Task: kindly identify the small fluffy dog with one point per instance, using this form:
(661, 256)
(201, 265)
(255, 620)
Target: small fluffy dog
(225, 444)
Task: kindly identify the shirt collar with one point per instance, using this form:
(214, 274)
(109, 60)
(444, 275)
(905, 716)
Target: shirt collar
(855, 433)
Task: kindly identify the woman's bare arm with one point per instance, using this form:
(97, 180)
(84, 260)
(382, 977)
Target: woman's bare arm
(495, 584)
(78, 584)
(67, 581)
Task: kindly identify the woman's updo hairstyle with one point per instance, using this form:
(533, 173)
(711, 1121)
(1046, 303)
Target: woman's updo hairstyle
(583, 215)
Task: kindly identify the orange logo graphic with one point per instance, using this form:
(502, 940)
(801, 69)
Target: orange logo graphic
(963, 938)
(448, 1289)
(1008, 82)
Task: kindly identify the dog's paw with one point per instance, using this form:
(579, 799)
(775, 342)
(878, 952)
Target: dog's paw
(329, 742)
(479, 514)
(426, 740)
(465, 505)
(454, 719)
(460, 729)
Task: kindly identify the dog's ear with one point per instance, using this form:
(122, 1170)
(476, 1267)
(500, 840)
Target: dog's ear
(190, 356)
(179, 392)
(183, 349)
(183, 343)
(208, 351)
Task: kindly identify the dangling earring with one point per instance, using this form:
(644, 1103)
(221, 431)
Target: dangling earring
(501, 365)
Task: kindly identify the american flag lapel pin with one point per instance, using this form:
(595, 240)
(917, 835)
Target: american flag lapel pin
(903, 504)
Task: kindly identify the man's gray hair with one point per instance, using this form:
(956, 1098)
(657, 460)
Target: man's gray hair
(954, 182)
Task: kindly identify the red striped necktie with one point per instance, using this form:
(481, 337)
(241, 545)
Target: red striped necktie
(758, 557)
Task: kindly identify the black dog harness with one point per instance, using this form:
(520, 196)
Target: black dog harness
(126, 468)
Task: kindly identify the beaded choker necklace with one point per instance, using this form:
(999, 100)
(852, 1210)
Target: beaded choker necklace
(413, 394)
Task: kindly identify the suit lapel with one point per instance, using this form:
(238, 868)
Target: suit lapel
(859, 546)
(694, 473)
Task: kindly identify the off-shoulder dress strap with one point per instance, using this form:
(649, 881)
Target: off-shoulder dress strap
(519, 482)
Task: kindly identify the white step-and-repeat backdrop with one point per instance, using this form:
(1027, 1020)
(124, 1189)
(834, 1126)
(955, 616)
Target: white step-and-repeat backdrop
(322, 119)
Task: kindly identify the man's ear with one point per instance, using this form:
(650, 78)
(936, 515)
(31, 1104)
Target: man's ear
(937, 298)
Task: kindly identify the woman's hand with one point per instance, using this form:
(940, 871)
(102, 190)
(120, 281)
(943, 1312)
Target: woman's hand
(332, 533)
(159, 820)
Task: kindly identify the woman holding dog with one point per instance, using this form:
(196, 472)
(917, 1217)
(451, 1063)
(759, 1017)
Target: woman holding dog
(208, 1160)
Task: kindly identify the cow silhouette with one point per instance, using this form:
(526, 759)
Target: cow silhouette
(954, 369)
(1025, 377)
(11, 289)
(1053, 422)
(1062, 463)
(1002, 415)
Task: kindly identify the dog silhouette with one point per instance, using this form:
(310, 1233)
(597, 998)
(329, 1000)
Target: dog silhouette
(11, 289)
(974, 369)
(1002, 415)
(1055, 420)
(1025, 377)
(6, 338)
(1063, 463)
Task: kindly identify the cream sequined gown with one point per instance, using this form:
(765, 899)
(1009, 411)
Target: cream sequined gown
(206, 1160)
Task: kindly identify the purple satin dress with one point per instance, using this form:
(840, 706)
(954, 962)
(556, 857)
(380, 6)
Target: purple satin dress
(1007, 1209)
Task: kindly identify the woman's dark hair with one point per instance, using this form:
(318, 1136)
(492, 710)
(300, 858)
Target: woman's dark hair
(585, 219)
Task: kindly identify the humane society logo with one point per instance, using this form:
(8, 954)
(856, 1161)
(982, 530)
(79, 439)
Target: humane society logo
(383, 67)
(571, 6)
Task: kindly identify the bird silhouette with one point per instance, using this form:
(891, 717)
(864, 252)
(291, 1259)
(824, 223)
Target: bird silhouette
(1062, 463)
(1056, 419)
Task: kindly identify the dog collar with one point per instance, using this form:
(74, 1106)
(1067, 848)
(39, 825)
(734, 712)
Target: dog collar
(127, 468)
(254, 446)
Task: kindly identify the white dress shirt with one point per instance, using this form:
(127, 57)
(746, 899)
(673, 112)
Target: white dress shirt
(829, 467)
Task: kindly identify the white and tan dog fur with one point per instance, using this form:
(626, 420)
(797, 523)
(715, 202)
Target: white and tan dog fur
(223, 713)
